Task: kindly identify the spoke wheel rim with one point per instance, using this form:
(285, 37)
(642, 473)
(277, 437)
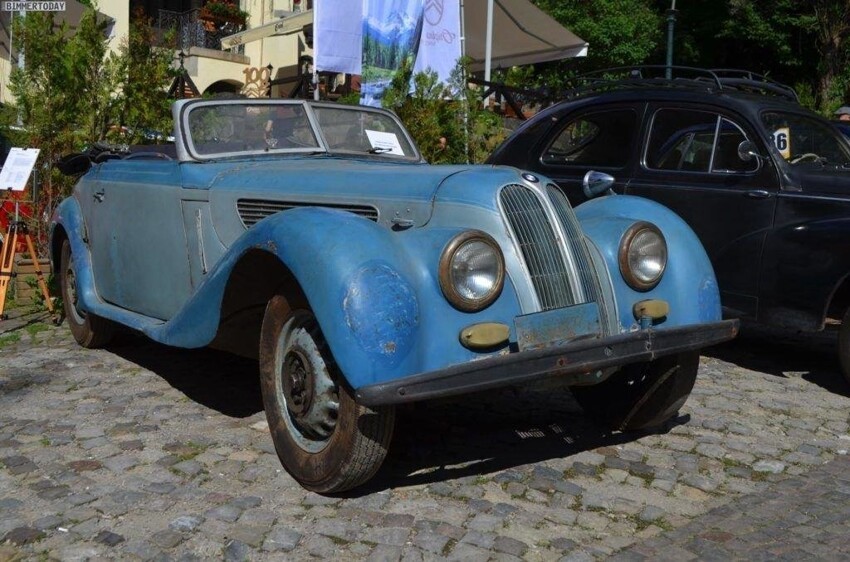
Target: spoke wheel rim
(304, 385)
(71, 293)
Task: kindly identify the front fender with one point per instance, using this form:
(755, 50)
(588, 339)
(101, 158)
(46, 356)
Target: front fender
(375, 292)
(688, 284)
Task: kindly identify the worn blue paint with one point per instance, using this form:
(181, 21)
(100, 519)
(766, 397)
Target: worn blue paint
(333, 255)
(557, 327)
(374, 289)
(328, 251)
(381, 310)
(688, 284)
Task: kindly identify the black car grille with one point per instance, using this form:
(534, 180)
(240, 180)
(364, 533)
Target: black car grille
(538, 242)
(252, 211)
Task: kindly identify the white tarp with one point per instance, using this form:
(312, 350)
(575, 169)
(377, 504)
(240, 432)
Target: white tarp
(522, 34)
(439, 48)
(338, 33)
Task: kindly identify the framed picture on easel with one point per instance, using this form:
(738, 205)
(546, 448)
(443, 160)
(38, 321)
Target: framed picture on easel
(13, 178)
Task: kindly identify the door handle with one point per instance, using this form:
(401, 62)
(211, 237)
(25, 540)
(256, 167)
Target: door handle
(99, 195)
(757, 194)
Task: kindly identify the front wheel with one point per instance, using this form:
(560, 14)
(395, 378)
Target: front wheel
(643, 395)
(89, 330)
(323, 438)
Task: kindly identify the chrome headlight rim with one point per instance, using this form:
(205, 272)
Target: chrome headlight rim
(623, 256)
(454, 298)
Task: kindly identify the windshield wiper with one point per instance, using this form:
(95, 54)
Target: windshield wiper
(379, 150)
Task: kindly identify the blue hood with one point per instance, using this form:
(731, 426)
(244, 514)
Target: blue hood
(329, 176)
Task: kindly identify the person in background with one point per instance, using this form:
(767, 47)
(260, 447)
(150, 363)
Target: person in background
(843, 113)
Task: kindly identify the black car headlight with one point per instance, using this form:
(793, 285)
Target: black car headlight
(472, 271)
(643, 256)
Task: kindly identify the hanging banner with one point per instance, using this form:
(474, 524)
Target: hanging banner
(392, 30)
(338, 36)
(439, 49)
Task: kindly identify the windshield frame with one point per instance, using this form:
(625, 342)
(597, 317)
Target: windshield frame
(187, 151)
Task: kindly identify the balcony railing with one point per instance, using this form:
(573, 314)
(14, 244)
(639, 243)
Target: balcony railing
(193, 31)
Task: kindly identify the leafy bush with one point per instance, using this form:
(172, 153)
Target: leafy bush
(454, 111)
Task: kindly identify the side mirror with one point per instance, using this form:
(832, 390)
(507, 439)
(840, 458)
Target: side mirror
(596, 183)
(747, 151)
(74, 164)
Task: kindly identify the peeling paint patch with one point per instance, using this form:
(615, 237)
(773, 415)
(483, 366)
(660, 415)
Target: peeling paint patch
(709, 300)
(381, 311)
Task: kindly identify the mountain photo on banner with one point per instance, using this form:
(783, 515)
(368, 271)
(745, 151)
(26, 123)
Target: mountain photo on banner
(439, 49)
(392, 30)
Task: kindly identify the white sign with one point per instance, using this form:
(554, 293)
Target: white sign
(782, 141)
(17, 169)
(34, 6)
(387, 143)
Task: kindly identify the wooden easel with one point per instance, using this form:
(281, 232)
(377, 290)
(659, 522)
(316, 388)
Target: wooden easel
(7, 260)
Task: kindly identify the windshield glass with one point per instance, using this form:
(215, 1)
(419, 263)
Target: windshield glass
(801, 139)
(348, 130)
(246, 127)
(234, 128)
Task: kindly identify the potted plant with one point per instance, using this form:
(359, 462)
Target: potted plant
(222, 11)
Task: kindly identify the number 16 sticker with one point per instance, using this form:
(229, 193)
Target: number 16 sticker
(782, 141)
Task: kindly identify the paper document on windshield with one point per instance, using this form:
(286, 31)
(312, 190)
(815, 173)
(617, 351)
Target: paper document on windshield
(17, 169)
(387, 143)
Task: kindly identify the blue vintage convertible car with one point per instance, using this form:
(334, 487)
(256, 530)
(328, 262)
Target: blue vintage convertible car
(314, 237)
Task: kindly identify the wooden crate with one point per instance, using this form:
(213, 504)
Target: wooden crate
(24, 289)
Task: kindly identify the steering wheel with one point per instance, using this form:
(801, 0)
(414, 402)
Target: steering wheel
(806, 157)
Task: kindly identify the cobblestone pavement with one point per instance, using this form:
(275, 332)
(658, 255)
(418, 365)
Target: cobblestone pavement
(147, 452)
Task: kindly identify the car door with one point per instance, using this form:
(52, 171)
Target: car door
(690, 164)
(601, 137)
(137, 240)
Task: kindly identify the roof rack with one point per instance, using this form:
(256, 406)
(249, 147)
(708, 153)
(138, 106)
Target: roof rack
(685, 77)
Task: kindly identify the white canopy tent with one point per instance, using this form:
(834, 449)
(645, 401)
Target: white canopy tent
(521, 34)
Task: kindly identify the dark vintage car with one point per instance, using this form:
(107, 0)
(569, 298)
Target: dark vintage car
(314, 237)
(843, 126)
(763, 182)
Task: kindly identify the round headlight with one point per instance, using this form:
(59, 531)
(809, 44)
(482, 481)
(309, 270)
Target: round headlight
(472, 271)
(643, 256)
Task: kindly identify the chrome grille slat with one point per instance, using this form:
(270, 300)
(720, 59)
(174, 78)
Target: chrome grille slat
(252, 211)
(530, 232)
(539, 245)
(589, 278)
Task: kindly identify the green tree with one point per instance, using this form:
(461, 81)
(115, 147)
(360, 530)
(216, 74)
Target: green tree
(804, 44)
(60, 94)
(434, 109)
(147, 66)
(620, 33)
(70, 92)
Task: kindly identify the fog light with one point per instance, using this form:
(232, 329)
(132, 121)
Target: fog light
(485, 335)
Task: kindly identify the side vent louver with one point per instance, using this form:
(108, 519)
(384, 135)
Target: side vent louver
(252, 211)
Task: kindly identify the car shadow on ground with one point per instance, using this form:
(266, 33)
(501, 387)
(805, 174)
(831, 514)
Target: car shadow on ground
(224, 382)
(779, 353)
(480, 434)
(435, 441)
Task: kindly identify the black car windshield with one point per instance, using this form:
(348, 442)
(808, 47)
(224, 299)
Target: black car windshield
(802, 139)
(226, 129)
